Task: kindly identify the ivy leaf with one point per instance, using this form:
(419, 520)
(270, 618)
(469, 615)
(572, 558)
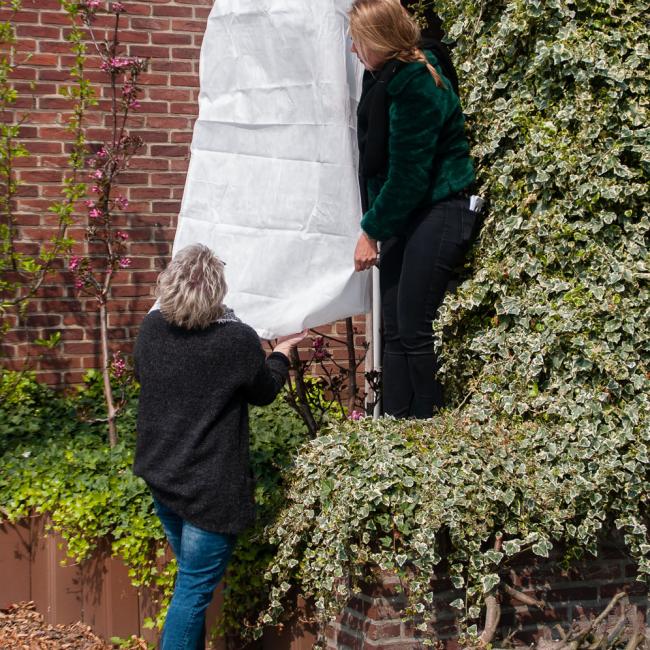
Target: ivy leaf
(489, 582)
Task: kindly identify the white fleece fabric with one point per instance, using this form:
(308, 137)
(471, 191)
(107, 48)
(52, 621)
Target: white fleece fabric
(272, 185)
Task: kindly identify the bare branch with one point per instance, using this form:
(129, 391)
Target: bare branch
(612, 603)
(524, 598)
(637, 636)
(492, 618)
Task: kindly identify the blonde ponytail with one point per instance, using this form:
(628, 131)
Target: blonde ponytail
(385, 27)
(416, 55)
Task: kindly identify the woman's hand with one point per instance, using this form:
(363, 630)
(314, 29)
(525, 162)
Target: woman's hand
(365, 254)
(285, 343)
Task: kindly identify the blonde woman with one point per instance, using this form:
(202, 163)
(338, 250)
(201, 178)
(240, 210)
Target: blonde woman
(416, 175)
(199, 368)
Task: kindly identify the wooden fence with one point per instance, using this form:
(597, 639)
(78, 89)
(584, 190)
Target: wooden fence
(98, 592)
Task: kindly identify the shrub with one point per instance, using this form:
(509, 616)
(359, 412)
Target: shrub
(56, 461)
(545, 346)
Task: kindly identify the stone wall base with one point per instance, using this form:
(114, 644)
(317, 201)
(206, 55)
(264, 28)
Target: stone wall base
(375, 619)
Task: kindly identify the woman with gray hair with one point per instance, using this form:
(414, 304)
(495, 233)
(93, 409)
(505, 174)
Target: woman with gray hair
(199, 368)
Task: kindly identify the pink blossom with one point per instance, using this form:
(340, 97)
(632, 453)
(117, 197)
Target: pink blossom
(124, 262)
(94, 213)
(118, 63)
(117, 8)
(122, 202)
(98, 174)
(118, 365)
(92, 4)
(356, 415)
(102, 153)
(78, 283)
(320, 349)
(95, 189)
(121, 235)
(139, 64)
(134, 104)
(73, 265)
(89, 203)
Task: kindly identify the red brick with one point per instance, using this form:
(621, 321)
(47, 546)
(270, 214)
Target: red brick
(82, 348)
(149, 51)
(138, 193)
(184, 108)
(344, 638)
(40, 32)
(128, 291)
(179, 164)
(181, 136)
(167, 94)
(150, 24)
(134, 37)
(181, 25)
(168, 122)
(185, 12)
(169, 150)
(384, 631)
(147, 163)
(166, 38)
(168, 179)
(185, 52)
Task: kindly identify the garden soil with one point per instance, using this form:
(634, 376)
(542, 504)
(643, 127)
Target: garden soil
(23, 628)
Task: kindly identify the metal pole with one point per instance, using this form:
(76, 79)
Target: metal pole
(376, 335)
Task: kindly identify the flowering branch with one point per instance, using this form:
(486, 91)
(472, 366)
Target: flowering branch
(93, 275)
(321, 387)
(21, 276)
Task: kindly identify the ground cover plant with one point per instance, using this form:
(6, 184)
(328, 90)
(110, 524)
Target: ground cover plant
(545, 346)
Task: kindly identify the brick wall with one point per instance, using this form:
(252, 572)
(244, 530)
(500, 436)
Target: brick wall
(168, 33)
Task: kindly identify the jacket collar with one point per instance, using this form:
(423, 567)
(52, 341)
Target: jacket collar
(409, 70)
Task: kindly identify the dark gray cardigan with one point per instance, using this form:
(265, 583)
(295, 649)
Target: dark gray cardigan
(192, 445)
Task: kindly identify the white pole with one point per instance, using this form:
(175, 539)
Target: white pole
(376, 335)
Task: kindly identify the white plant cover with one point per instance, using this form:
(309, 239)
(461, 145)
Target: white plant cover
(272, 185)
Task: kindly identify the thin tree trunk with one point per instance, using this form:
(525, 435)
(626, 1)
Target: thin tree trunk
(301, 392)
(106, 375)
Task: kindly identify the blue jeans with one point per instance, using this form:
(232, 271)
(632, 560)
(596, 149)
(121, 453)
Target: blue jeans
(202, 559)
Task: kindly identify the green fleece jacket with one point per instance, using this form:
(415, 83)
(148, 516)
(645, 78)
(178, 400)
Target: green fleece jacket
(428, 152)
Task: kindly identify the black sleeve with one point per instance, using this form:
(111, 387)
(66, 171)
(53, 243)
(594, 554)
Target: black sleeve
(269, 379)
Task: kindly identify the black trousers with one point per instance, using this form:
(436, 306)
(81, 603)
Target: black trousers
(415, 270)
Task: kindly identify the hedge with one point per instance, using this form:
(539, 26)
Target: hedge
(545, 346)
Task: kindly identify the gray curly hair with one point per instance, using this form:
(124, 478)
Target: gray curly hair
(192, 288)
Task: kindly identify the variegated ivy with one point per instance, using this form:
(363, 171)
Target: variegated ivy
(545, 347)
